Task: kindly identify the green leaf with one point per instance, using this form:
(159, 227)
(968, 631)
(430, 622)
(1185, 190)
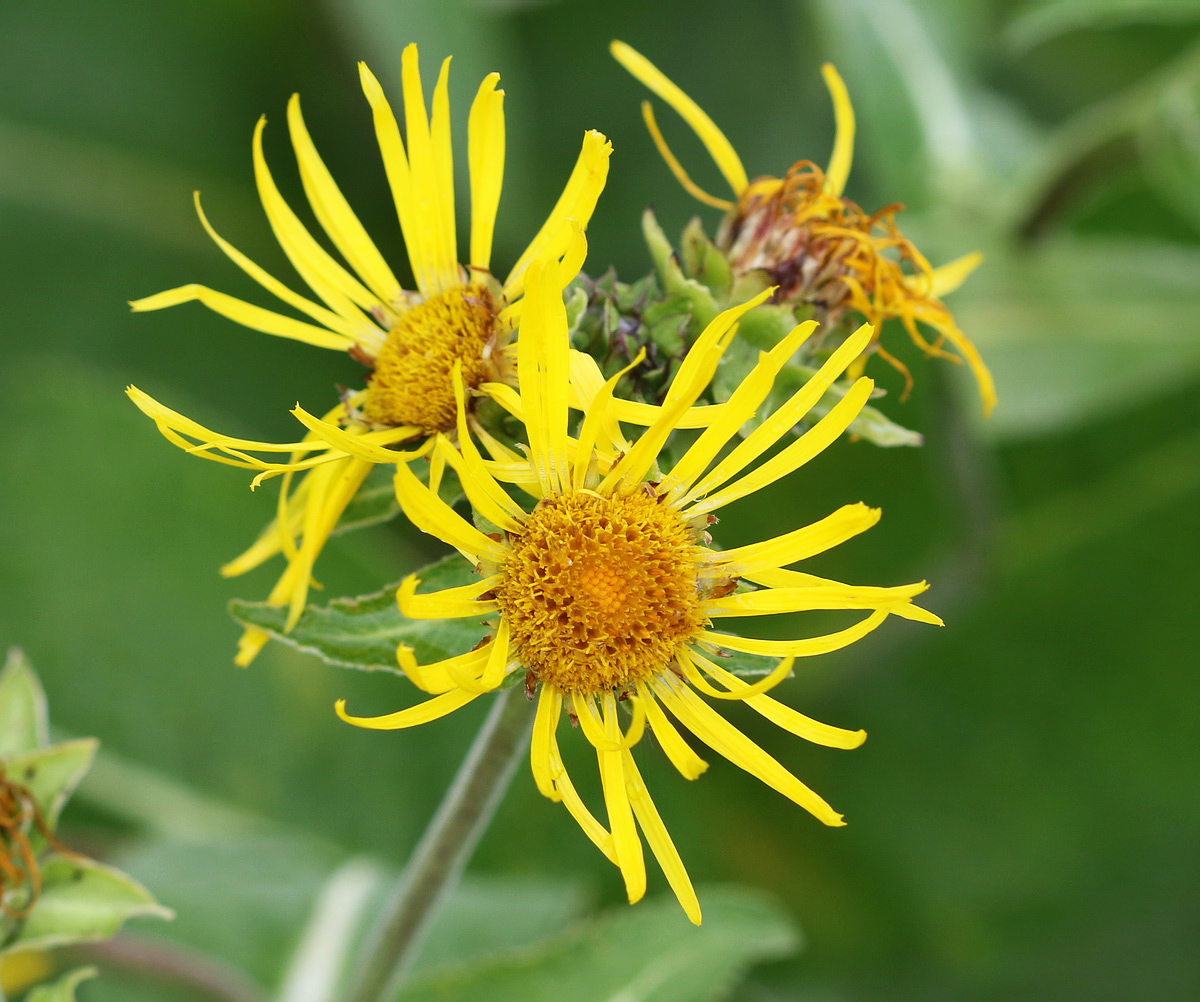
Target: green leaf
(62, 990)
(674, 281)
(364, 632)
(51, 774)
(1053, 18)
(703, 261)
(645, 953)
(83, 901)
(1075, 328)
(24, 720)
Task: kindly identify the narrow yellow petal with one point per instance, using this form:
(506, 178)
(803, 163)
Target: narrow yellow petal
(485, 153)
(772, 601)
(600, 836)
(442, 676)
(545, 722)
(254, 317)
(370, 336)
(472, 467)
(693, 377)
(785, 417)
(949, 276)
(577, 202)
(800, 544)
(334, 214)
(806, 647)
(677, 750)
(725, 739)
(812, 443)
(431, 514)
(598, 416)
(779, 714)
(429, 194)
(675, 166)
(659, 840)
(719, 148)
(627, 845)
(422, 713)
(342, 292)
(542, 369)
(449, 603)
(843, 141)
(417, 237)
(443, 173)
(739, 408)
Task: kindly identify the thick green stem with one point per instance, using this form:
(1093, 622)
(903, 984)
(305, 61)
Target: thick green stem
(444, 849)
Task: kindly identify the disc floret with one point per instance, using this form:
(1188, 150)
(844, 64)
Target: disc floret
(601, 592)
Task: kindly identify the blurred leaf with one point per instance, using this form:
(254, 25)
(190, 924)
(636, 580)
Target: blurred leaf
(62, 990)
(81, 901)
(1076, 328)
(1049, 19)
(51, 774)
(1169, 141)
(23, 719)
(364, 632)
(648, 953)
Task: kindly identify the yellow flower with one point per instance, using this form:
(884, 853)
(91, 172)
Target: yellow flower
(410, 340)
(605, 592)
(815, 245)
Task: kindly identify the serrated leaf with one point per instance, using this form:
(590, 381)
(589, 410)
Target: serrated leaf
(24, 722)
(364, 632)
(51, 774)
(63, 989)
(646, 953)
(83, 901)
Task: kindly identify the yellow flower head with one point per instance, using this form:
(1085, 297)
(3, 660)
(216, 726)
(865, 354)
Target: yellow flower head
(606, 591)
(813, 244)
(458, 317)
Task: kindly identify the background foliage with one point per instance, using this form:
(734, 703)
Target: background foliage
(1022, 822)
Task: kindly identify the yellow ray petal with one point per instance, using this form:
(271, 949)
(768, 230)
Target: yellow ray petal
(418, 239)
(800, 544)
(812, 443)
(254, 317)
(627, 845)
(693, 377)
(597, 414)
(719, 148)
(677, 750)
(785, 417)
(772, 601)
(843, 141)
(485, 153)
(806, 647)
(725, 739)
(739, 408)
(542, 370)
(659, 840)
(577, 202)
(949, 276)
(675, 166)
(342, 292)
(431, 514)
(545, 722)
(776, 712)
(422, 713)
(442, 676)
(449, 603)
(334, 214)
(471, 466)
(600, 836)
(369, 337)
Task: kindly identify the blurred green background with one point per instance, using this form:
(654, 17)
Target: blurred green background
(1023, 820)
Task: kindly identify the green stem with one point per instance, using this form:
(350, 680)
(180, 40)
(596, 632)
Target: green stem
(444, 849)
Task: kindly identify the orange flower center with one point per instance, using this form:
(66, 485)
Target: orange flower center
(412, 384)
(601, 592)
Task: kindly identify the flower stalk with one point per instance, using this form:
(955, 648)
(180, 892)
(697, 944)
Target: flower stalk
(444, 849)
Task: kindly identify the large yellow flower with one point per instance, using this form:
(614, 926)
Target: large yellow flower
(604, 593)
(815, 245)
(410, 340)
